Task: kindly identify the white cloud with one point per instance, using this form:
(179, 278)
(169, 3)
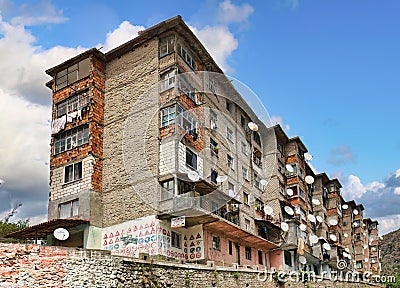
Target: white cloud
(25, 69)
(233, 13)
(397, 191)
(388, 224)
(125, 32)
(397, 173)
(219, 42)
(38, 13)
(353, 188)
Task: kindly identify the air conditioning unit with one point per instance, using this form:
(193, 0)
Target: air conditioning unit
(210, 263)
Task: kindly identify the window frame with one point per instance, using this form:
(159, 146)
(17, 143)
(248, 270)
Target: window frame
(216, 242)
(168, 80)
(65, 140)
(176, 240)
(169, 121)
(245, 173)
(72, 103)
(73, 172)
(71, 208)
(72, 74)
(168, 42)
(193, 163)
(167, 191)
(246, 198)
(230, 161)
(229, 134)
(247, 252)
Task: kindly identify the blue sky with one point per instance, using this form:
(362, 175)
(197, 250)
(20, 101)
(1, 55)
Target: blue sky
(327, 71)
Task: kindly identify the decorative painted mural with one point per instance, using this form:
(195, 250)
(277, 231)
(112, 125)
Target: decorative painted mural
(154, 237)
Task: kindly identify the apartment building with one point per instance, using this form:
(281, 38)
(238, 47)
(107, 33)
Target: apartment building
(155, 153)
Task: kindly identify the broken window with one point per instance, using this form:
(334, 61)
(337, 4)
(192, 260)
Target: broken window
(73, 73)
(72, 104)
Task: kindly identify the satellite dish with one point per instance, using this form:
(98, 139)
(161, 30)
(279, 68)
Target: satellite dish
(193, 176)
(61, 234)
(1, 181)
(315, 201)
(253, 126)
(308, 156)
(222, 178)
(345, 254)
(364, 225)
(319, 219)
(284, 226)
(355, 212)
(268, 210)
(365, 259)
(289, 168)
(365, 246)
(311, 218)
(302, 260)
(313, 239)
(345, 206)
(309, 179)
(263, 182)
(289, 210)
(289, 192)
(326, 246)
(346, 235)
(365, 234)
(333, 237)
(303, 227)
(347, 250)
(349, 256)
(333, 222)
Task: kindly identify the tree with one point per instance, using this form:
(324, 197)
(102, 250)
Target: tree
(7, 227)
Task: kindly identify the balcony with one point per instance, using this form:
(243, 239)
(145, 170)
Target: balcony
(202, 205)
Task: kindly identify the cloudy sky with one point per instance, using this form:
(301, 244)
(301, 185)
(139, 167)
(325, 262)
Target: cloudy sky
(328, 71)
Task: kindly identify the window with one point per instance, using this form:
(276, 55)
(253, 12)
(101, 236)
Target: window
(213, 147)
(167, 80)
(374, 259)
(72, 74)
(301, 174)
(213, 176)
(247, 252)
(247, 224)
(359, 265)
(191, 159)
(69, 209)
(257, 181)
(229, 134)
(358, 236)
(300, 193)
(73, 172)
(256, 138)
(301, 212)
(213, 120)
(259, 205)
(216, 243)
(357, 223)
(231, 187)
(167, 116)
(211, 85)
(184, 53)
(71, 138)
(288, 258)
(229, 106)
(243, 122)
(230, 162)
(230, 247)
(281, 188)
(245, 174)
(281, 169)
(373, 226)
(245, 198)
(175, 239)
(166, 46)
(184, 187)
(187, 121)
(72, 104)
(257, 157)
(244, 148)
(293, 171)
(167, 189)
(260, 257)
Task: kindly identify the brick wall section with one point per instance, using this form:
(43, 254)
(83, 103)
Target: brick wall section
(39, 266)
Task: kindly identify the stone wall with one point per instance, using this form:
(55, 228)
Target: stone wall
(40, 266)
